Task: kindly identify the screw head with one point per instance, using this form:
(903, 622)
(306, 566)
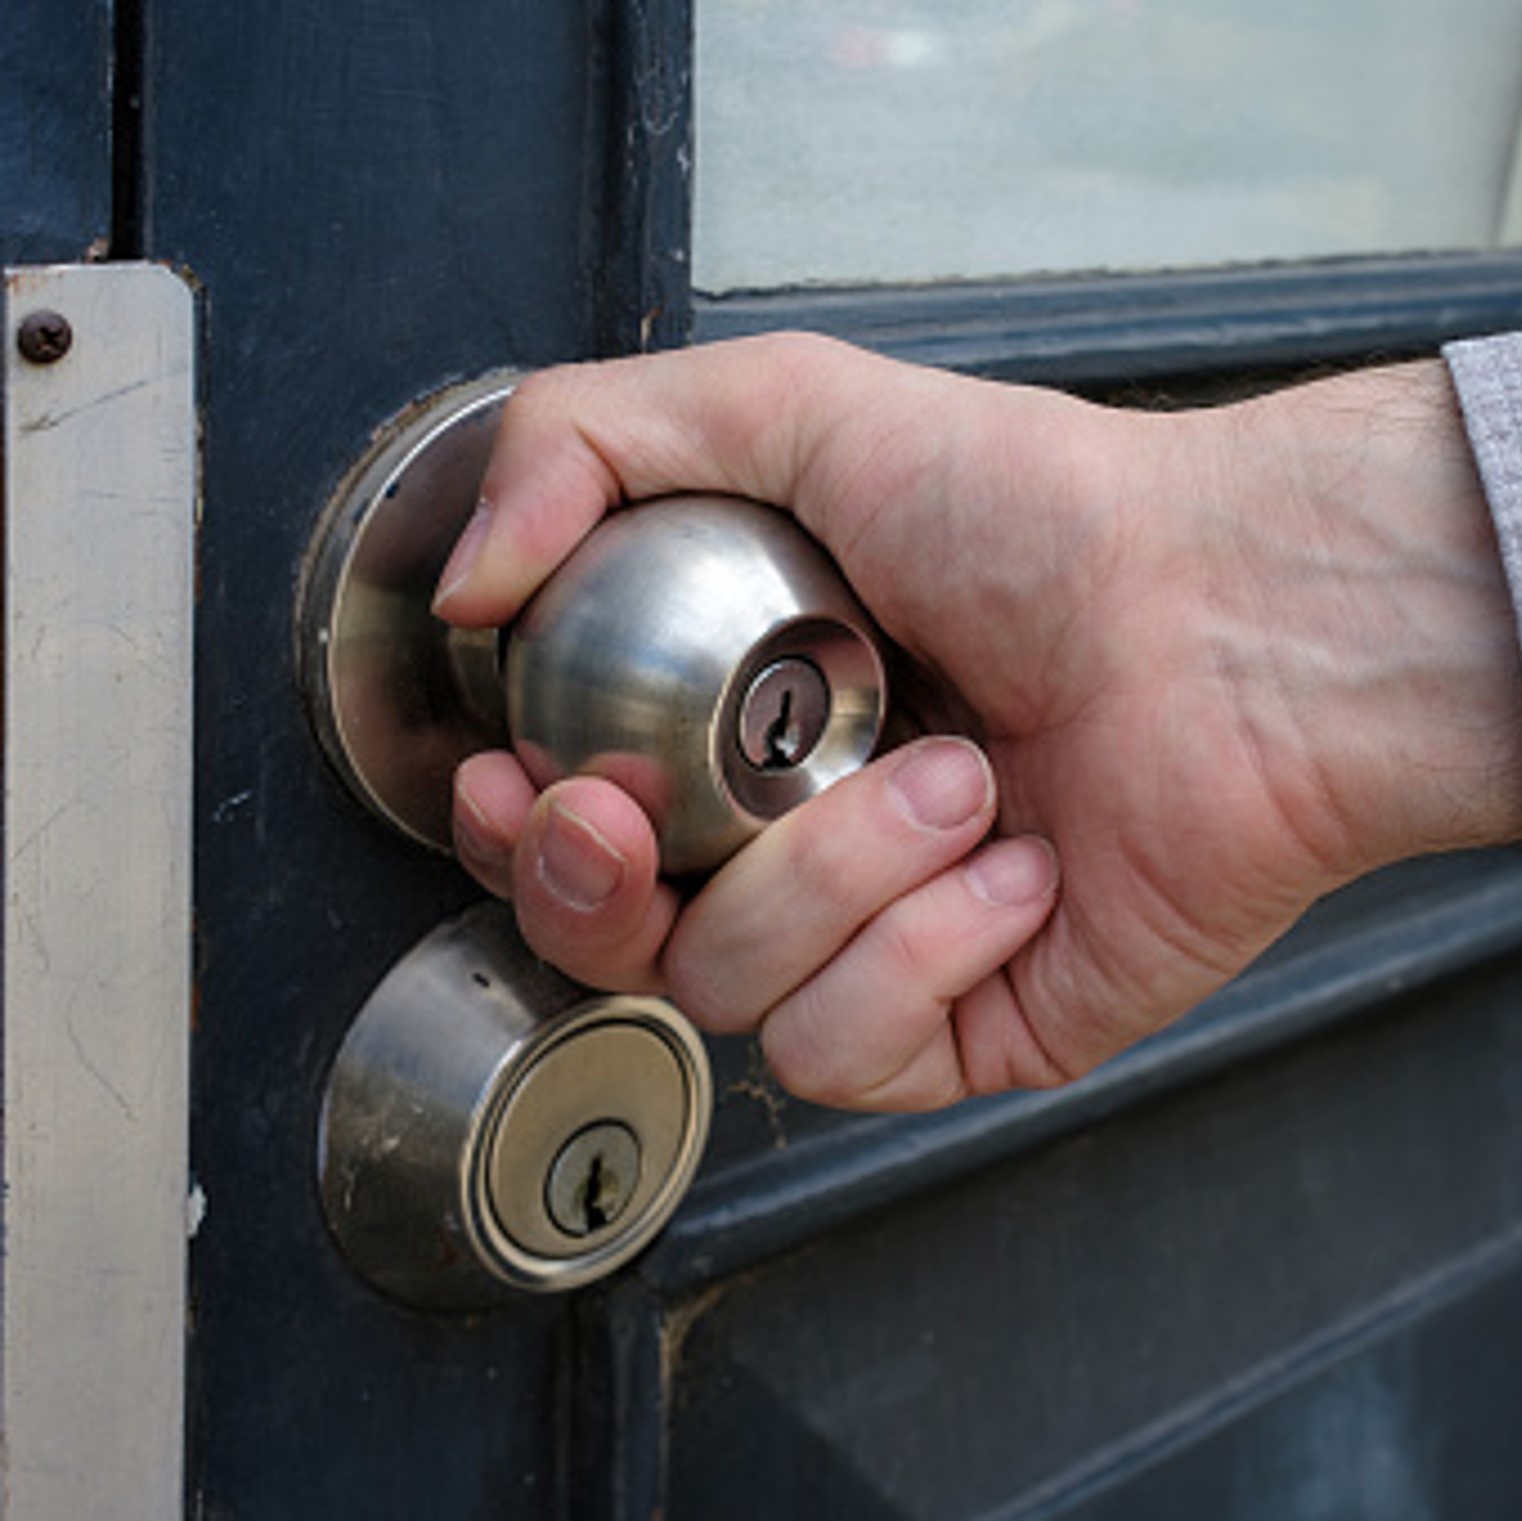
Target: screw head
(592, 1178)
(44, 337)
(783, 714)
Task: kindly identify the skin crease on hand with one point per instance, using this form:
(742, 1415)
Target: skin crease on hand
(1220, 662)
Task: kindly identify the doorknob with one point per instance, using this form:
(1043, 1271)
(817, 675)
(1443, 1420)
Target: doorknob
(702, 651)
(489, 1125)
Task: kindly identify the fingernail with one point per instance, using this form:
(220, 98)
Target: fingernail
(1013, 872)
(474, 837)
(576, 862)
(942, 783)
(466, 552)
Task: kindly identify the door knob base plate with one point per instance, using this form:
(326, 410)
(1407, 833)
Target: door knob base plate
(398, 699)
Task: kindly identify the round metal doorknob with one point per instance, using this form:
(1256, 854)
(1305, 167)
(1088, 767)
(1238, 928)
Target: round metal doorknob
(490, 1126)
(703, 652)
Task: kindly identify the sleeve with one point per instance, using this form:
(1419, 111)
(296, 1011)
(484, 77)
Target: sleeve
(1487, 374)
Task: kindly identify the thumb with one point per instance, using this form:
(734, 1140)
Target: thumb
(745, 418)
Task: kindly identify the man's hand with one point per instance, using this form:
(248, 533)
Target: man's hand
(1217, 663)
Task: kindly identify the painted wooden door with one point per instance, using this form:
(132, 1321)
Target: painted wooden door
(1267, 1265)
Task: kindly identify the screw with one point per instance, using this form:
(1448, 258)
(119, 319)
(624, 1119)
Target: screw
(44, 337)
(592, 1178)
(783, 713)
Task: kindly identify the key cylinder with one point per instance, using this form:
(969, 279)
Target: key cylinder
(783, 714)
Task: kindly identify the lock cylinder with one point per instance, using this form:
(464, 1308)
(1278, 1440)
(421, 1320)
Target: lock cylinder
(490, 1126)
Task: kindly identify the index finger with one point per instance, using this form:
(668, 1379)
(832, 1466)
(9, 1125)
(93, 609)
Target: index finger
(743, 418)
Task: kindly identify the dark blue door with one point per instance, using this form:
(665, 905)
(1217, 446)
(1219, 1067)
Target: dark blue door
(1267, 1265)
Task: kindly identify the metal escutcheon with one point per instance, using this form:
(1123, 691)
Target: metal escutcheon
(397, 698)
(490, 1126)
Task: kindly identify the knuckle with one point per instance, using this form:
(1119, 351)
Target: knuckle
(701, 997)
(905, 945)
(690, 993)
(544, 393)
(806, 1075)
(788, 365)
(822, 868)
(797, 1042)
(795, 348)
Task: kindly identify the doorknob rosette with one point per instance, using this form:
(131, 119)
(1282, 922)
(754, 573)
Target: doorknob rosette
(396, 697)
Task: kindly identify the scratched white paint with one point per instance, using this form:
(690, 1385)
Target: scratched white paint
(100, 496)
(195, 1211)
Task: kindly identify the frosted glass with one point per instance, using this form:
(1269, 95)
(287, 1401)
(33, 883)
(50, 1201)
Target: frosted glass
(909, 140)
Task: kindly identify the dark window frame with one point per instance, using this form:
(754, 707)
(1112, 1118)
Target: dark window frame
(1108, 329)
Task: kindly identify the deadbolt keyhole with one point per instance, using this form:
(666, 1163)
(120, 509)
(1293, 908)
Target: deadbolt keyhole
(593, 1204)
(593, 1178)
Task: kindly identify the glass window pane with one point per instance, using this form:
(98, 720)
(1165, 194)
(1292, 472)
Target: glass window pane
(848, 141)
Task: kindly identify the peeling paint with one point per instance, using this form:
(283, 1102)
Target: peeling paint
(195, 1211)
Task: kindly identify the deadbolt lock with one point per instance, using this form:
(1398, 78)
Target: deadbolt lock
(491, 1126)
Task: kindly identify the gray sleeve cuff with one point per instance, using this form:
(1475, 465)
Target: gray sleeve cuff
(1487, 373)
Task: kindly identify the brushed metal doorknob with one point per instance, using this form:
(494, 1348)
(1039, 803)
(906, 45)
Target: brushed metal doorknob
(702, 651)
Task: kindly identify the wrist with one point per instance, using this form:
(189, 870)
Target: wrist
(1389, 652)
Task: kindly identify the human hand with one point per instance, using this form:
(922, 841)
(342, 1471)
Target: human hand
(1216, 663)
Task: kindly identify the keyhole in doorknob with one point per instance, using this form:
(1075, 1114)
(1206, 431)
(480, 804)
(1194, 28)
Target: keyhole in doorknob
(781, 737)
(784, 713)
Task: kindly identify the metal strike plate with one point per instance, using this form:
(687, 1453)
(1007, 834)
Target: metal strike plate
(100, 493)
(490, 1126)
